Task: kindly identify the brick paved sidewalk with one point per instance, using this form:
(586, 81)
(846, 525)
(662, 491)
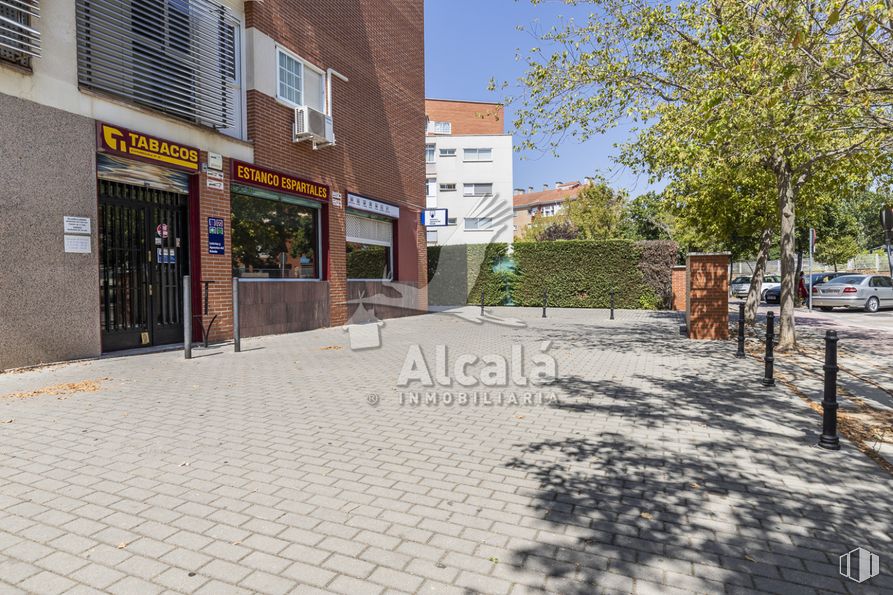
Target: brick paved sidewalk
(664, 467)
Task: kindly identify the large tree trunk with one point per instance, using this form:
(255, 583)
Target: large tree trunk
(786, 197)
(756, 280)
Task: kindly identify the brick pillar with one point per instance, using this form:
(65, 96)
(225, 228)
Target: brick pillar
(679, 288)
(337, 266)
(216, 267)
(707, 296)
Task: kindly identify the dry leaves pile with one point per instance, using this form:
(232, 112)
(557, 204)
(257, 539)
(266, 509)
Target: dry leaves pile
(60, 391)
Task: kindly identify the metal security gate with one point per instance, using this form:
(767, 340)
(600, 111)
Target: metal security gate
(143, 255)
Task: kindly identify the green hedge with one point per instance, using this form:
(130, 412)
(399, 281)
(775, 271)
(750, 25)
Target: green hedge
(577, 273)
(581, 274)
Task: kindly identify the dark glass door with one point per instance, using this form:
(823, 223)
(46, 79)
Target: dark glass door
(143, 257)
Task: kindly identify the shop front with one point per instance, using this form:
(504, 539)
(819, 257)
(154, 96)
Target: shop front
(279, 243)
(144, 194)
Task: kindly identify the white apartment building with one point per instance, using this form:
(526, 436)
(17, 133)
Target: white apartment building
(468, 162)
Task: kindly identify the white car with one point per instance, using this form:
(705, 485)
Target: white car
(740, 286)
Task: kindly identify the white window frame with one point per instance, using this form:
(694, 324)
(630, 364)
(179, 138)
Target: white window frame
(474, 189)
(440, 127)
(449, 187)
(304, 64)
(431, 187)
(432, 150)
(472, 155)
(447, 152)
(488, 228)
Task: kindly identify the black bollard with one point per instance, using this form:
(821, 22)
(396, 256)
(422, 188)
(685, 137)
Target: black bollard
(612, 304)
(741, 331)
(829, 438)
(545, 301)
(768, 378)
(482, 302)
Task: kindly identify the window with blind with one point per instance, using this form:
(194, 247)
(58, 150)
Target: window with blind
(369, 245)
(19, 40)
(180, 57)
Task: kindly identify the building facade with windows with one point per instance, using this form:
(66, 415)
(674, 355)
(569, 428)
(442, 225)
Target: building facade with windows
(145, 140)
(468, 161)
(528, 205)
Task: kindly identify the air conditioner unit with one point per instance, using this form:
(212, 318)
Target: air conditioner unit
(314, 126)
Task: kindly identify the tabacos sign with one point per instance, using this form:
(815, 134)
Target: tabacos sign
(144, 147)
(266, 178)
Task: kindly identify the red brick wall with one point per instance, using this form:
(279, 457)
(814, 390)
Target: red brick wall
(707, 298)
(378, 116)
(679, 288)
(467, 117)
(215, 267)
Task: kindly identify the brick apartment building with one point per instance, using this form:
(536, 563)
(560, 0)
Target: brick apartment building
(273, 141)
(529, 205)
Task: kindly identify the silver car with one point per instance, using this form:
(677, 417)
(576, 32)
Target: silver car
(869, 292)
(740, 286)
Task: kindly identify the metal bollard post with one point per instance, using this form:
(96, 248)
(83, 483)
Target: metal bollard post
(482, 302)
(829, 438)
(768, 377)
(612, 304)
(187, 317)
(741, 331)
(545, 301)
(237, 338)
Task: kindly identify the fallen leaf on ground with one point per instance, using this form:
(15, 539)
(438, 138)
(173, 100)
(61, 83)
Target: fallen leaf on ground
(695, 485)
(6, 421)
(749, 557)
(122, 545)
(331, 348)
(85, 386)
(646, 515)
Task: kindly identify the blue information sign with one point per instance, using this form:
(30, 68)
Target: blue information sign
(215, 236)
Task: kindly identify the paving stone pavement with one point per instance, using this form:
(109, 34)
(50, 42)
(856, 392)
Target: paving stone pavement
(663, 467)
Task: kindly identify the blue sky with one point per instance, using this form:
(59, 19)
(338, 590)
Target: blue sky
(469, 41)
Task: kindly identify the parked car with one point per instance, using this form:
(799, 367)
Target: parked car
(773, 296)
(741, 285)
(869, 292)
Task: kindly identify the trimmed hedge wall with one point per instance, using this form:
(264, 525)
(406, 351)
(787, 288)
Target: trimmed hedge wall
(577, 273)
(457, 274)
(581, 274)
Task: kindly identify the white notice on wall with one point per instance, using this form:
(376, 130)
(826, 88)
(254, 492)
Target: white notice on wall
(215, 184)
(77, 224)
(77, 244)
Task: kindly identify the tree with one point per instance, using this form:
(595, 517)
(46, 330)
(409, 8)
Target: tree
(646, 217)
(837, 250)
(596, 211)
(741, 83)
(560, 229)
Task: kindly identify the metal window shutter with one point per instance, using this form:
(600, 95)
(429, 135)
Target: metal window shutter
(368, 231)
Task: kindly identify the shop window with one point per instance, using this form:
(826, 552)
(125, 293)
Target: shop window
(273, 239)
(180, 57)
(19, 41)
(478, 155)
(300, 83)
(369, 248)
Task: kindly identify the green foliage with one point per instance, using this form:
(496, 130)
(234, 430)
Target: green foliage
(837, 250)
(656, 265)
(369, 262)
(596, 212)
(557, 229)
(485, 273)
(581, 274)
(646, 217)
